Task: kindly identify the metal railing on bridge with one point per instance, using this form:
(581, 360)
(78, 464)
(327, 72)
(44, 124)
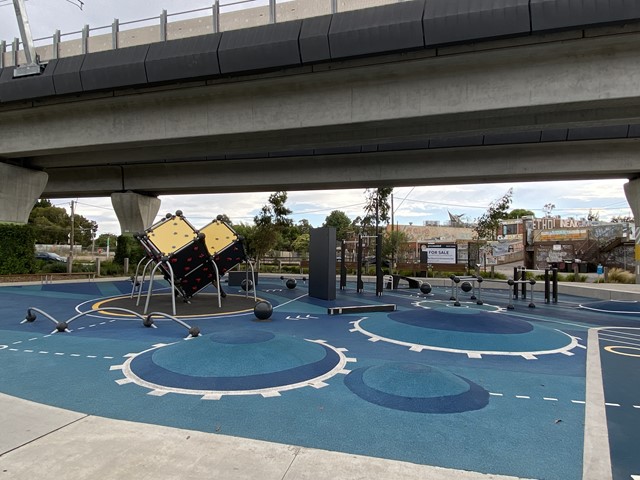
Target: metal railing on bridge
(221, 16)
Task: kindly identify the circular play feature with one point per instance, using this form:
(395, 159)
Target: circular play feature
(246, 285)
(415, 387)
(236, 362)
(263, 310)
(623, 307)
(471, 331)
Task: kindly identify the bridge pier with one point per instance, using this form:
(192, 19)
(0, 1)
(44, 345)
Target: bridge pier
(135, 212)
(20, 189)
(632, 191)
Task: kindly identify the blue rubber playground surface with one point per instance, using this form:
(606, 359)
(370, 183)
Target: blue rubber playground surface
(470, 387)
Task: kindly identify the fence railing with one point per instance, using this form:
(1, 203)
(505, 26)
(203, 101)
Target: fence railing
(220, 16)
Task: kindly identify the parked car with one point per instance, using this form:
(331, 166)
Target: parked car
(50, 257)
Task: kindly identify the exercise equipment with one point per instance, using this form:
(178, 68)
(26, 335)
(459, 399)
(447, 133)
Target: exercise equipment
(468, 285)
(359, 263)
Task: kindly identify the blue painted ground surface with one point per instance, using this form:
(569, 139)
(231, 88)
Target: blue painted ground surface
(378, 384)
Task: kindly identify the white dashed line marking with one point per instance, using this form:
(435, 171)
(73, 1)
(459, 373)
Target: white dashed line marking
(523, 396)
(550, 399)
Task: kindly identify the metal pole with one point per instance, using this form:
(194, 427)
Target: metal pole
(516, 277)
(85, 39)
(334, 6)
(3, 49)
(56, 44)
(15, 46)
(70, 261)
(343, 267)
(163, 26)
(547, 292)
(216, 17)
(115, 28)
(359, 284)
(379, 279)
(272, 11)
(25, 32)
(554, 285)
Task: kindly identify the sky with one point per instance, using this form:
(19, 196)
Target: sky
(413, 205)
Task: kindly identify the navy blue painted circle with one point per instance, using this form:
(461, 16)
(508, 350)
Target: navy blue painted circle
(614, 306)
(416, 388)
(463, 320)
(236, 363)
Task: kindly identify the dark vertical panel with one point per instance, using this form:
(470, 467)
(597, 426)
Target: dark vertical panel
(260, 48)
(322, 263)
(191, 57)
(447, 21)
(26, 88)
(66, 77)
(377, 30)
(314, 39)
(114, 68)
(561, 14)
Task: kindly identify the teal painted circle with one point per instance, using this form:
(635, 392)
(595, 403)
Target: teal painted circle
(413, 380)
(205, 357)
(539, 338)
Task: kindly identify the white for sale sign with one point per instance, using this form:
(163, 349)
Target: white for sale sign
(439, 253)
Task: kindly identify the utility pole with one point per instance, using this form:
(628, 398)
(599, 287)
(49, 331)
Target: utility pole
(32, 67)
(70, 261)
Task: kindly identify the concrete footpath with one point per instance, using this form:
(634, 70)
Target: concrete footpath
(42, 442)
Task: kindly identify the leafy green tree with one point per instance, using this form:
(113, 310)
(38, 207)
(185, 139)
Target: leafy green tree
(519, 213)
(487, 225)
(101, 241)
(52, 225)
(270, 224)
(377, 208)
(341, 222)
(396, 246)
(301, 244)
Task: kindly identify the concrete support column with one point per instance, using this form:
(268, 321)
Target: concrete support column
(632, 191)
(135, 212)
(20, 189)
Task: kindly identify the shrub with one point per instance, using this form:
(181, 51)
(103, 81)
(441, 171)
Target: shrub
(17, 247)
(618, 275)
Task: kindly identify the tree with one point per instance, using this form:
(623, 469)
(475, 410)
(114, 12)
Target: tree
(377, 207)
(622, 219)
(487, 225)
(341, 222)
(52, 225)
(593, 216)
(301, 244)
(270, 224)
(519, 213)
(396, 246)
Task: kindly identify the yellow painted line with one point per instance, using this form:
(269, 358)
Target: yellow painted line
(615, 348)
(103, 304)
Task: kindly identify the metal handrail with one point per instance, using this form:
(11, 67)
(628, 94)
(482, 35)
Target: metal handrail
(55, 40)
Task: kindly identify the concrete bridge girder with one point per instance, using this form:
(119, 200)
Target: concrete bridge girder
(484, 164)
(572, 82)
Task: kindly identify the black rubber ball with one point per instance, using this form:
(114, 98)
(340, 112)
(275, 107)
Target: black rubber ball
(466, 287)
(263, 310)
(291, 283)
(246, 285)
(425, 288)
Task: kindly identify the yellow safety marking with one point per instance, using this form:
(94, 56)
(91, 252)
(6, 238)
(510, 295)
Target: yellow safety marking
(614, 348)
(97, 305)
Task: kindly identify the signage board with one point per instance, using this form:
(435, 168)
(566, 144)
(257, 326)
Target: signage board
(441, 253)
